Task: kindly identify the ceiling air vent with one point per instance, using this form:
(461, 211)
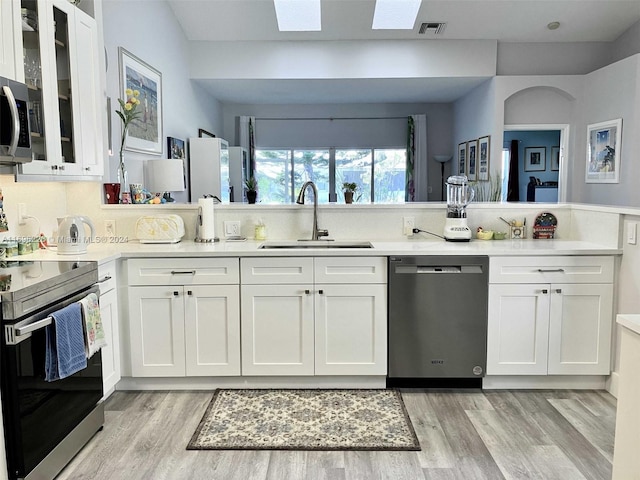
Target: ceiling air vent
(432, 28)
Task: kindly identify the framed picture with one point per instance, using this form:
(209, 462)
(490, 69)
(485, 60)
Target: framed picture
(555, 158)
(145, 134)
(472, 161)
(483, 158)
(462, 158)
(175, 148)
(604, 141)
(204, 134)
(535, 159)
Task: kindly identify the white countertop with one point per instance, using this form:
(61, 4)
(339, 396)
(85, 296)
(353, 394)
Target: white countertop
(105, 252)
(632, 322)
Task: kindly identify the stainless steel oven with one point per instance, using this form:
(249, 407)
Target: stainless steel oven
(45, 423)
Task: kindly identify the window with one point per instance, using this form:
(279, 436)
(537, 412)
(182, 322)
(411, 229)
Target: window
(379, 174)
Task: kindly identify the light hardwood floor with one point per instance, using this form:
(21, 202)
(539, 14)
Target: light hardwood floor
(505, 434)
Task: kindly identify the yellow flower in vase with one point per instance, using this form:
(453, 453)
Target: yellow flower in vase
(128, 113)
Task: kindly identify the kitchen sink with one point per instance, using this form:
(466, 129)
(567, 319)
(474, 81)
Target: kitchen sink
(315, 244)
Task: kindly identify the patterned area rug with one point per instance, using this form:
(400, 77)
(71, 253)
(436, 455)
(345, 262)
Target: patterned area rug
(305, 420)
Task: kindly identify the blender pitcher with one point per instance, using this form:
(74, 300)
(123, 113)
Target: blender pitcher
(459, 195)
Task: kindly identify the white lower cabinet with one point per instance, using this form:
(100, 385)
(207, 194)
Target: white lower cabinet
(188, 328)
(313, 328)
(109, 316)
(551, 328)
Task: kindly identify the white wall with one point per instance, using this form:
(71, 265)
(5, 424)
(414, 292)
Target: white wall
(626, 44)
(439, 124)
(150, 31)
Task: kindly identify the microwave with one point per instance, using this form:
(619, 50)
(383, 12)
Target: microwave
(15, 135)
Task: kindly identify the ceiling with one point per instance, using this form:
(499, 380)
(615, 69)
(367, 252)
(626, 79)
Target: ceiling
(501, 20)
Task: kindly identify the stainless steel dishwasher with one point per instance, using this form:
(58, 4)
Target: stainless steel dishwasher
(437, 320)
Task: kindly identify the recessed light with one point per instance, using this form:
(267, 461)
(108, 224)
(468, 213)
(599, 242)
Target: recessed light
(395, 14)
(553, 25)
(298, 15)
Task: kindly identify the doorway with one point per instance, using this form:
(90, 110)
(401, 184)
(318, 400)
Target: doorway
(542, 169)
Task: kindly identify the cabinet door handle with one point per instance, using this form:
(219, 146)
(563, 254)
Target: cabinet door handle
(176, 293)
(189, 292)
(61, 167)
(105, 279)
(307, 292)
(321, 292)
(545, 291)
(88, 169)
(558, 290)
(551, 270)
(179, 272)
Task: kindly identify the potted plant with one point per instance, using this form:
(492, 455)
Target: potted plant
(251, 185)
(349, 189)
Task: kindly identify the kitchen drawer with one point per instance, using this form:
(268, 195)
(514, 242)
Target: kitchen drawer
(562, 269)
(281, 270)
(183, 271)
(350, 270)
(107, 280)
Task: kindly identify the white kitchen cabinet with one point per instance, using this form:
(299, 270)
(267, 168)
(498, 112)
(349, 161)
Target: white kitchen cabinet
(180, 326)
(10, 63)
(550, 328)
(109, 315)
(332, 321)
(61, 69)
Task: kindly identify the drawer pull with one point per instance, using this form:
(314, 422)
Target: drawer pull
(545, 291)
(558, 290)
(321, 292)
(307, 292)
(189, 292)
(175, 293)
(105, 279)
(180, 272)
(552, 270)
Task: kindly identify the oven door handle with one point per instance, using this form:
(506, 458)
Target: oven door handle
(32, 327)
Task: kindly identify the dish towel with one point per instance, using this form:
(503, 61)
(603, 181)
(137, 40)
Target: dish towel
(92, 325)
(65, 353)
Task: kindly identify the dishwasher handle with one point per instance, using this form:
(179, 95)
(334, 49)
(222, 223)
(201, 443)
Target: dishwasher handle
(437, 269)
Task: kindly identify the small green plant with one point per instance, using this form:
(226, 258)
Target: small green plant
(349, 187)
(490, 191)
(251, 184)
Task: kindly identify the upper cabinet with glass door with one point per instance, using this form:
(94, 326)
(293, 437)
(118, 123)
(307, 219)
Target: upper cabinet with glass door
(60, 48)
(10, 64)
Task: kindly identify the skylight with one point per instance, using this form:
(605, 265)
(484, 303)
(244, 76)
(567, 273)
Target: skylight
(298, 15)
(395, 14)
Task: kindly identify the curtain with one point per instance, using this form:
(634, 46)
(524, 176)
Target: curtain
(416, 175)
(513, 185)
(248, 140)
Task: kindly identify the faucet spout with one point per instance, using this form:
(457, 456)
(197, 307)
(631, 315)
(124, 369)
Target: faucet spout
(316, 233)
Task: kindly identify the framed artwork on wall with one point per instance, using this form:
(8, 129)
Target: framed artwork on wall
(175, 148)
(472, 160)
(604, 142)
(145, 134)
(483, 158)
(462, 158)
(535, 159)
(204, 134)
(555, 159)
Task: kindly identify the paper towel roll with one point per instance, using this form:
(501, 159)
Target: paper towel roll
(207, 229)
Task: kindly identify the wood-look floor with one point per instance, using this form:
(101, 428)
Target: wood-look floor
(505, 434)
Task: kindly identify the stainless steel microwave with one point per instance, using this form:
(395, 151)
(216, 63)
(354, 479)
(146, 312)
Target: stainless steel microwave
(15, 135)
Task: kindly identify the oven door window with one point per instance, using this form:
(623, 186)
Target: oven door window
(43, 412)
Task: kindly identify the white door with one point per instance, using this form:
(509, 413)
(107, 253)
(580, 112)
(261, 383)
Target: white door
(580, 329)
(518, 327)
(212, 330)
(110, 353)
(156, 327)
(277, 330)
(10, 57)
(350, 330)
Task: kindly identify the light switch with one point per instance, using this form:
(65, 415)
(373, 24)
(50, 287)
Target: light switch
(632, 231)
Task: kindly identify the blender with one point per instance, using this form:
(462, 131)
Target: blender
(459, 195)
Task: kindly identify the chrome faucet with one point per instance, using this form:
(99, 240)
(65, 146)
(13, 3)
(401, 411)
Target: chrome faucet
(300, 200)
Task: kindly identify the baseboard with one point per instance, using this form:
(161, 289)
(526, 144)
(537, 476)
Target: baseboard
(211, 383)
(613, 383)
(575, 382)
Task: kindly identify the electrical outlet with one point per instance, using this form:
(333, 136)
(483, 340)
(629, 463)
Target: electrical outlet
(408, 224)
(22, 211)
(632, 231)
(232, 228)
(110, 228)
